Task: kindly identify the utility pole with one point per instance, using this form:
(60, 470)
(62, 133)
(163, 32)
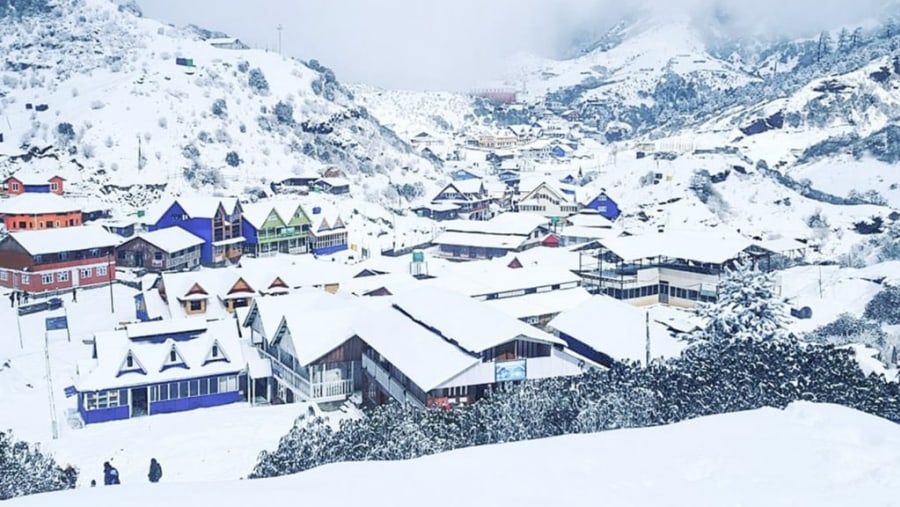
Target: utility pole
(140, 162)
(53, 423)
(647, 327)
(109, 274)
(821, 295)
(279, 28)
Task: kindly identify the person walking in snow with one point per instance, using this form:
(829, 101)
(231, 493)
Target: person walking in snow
(12, 299)
(110, 474)
(155, 471)
(70, 476)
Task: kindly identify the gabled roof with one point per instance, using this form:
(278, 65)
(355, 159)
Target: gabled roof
(113, 346)
(616, 329)
(520, 224)
(35, 179)
(549, 187)
(472, 325)
(206, 207)
(169, 239)
(712, 247)
(64, 239)
(257, 213)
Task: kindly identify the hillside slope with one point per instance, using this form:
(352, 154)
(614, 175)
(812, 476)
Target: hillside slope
(230, 120)
(827, 455)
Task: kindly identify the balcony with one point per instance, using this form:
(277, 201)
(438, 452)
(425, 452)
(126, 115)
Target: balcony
(389, 383)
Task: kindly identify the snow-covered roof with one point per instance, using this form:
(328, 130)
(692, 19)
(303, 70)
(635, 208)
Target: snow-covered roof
(521, 224)
(577, 231)
(590, 220)
(541, 303)
(781, 245)
(465, 321)
(440, 206)
(65, 239)
(706, 247)
(170, 239)
(481, 278)
(616, 329)
(472, 186)
(256, 213)
(422, 356)
(317, 331)
(35, 203)
(113, 348)
(199, 206)
(334, 182)
(480, 240)
(272, 309)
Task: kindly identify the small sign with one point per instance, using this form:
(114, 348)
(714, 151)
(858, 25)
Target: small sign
(55, 323)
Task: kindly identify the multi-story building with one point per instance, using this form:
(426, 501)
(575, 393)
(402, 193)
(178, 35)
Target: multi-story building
(218, 221)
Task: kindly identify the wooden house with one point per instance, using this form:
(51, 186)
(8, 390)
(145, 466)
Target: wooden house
(328, 234)
(469, 195)
(169, 249)
(218, 221)
(273, 227)
(51, 260)
(332, 185)
(547, 200)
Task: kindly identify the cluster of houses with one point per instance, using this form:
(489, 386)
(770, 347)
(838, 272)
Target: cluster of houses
(51, 244)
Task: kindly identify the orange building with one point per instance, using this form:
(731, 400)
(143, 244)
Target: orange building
(17, 186)
(29, 212)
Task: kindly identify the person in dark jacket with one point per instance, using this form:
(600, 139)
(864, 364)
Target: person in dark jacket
(155, 471)
(110, 474)
(70, 476)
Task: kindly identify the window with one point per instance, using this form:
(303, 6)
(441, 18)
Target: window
(22, 225)
(47, 279)
(26, 279)
(173, 356)
(129, 361)
(215, 351)
(196, 306)
(85, 272)
(15, 187)
(157, 256)
(54, 186)
(62, 276)
(227, 384)
(101, 271)
(163, 392)
(204, 387)
(4, 276)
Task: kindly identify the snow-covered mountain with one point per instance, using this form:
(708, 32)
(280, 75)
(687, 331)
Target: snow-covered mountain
(115, 102)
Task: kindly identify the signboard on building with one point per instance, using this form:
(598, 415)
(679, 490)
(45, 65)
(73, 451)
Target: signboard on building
(509, 371)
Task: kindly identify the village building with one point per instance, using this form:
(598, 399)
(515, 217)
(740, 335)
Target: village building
(539, 308)
(548, 200)
(21, 184)
(463, 174)
(678, 268)
(309, 339)
(161, 367)
(424, 139)
(470, 196)
(217, 220)
(32, 211)
(438, 211)
(168, 249)
(466, 356)
(227, 43)
(493, 140)
(327, 233)
(275, 227)
(603, 205)
(52, 260)
(627, 333)
(332, 185)
(507, 232)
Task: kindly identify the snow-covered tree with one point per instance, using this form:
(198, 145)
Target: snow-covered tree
(747, 308)
(25, 470)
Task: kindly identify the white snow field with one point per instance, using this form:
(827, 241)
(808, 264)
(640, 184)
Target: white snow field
(808, 454)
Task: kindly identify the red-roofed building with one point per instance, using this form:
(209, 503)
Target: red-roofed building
(17, 186)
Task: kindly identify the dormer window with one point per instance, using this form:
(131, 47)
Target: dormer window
(173, 356)
(215, 351)
(129, 361)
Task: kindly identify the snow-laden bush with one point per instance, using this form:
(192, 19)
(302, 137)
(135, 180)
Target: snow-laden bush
(257, 81)
(284, 113)
(25, 470)
(233, 159)
(163, 122)
(65, 132)
(220, 108)
(97, 104)
(885, 306)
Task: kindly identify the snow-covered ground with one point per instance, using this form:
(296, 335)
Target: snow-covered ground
(807, 454)
(200, 445)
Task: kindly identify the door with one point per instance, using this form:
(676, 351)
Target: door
(664, 292)
(139, 402)
(138, 259)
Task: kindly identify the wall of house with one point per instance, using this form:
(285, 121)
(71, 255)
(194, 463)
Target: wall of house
(98, 415)
(58, 276)
(180, 405)
(55, 185)
(22, 222)
(202, 227)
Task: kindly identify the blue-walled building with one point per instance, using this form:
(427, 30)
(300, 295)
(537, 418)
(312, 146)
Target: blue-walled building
(328, 234)
(604, 205)
(161, 367)
(216, 220)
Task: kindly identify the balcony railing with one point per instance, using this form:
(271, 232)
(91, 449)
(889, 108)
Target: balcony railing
(389, 383)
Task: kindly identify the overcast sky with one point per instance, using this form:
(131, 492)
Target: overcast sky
(458, 44)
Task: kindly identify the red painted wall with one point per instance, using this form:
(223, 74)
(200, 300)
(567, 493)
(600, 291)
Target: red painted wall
(12, 279)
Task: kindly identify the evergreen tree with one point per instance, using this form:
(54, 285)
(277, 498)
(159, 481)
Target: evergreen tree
(824, 46)
(25, 470)
(747, 308)
(843, 41)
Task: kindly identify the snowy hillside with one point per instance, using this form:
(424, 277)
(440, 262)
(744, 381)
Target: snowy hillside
(807, 454)
(99, 86)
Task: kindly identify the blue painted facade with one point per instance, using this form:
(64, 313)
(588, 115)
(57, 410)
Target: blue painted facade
(162, 398)
(584, 350)
(37, 189)
(437, 214)
(471, 252)
(605, 206)
(330, 249)
(249, 232)
(558, 152)
(175, 216)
